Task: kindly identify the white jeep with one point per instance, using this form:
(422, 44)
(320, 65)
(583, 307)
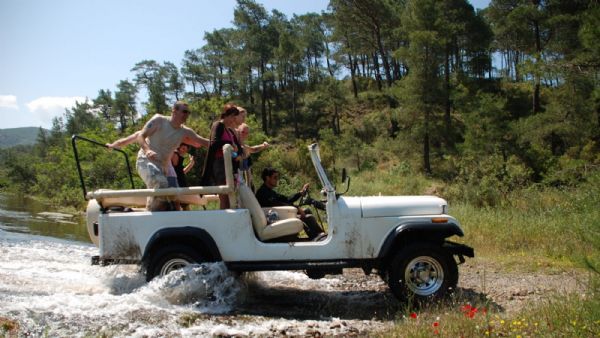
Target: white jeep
(403, 238)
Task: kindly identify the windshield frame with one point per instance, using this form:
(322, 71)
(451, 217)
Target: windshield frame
(316, 160)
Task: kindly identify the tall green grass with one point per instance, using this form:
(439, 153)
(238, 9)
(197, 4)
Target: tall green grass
(552, 223)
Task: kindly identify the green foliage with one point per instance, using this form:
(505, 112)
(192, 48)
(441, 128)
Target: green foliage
(402, 88)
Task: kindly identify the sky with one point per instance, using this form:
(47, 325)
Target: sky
(56, 52)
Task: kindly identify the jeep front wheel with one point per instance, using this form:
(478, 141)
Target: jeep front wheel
(171, 258)
(421, 272)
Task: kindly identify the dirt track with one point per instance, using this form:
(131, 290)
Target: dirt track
(359, 304)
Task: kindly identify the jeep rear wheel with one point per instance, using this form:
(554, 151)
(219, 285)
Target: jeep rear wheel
(421, 272)
(171, 258)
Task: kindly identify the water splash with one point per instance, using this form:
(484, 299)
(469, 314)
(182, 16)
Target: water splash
(209, 287)
(49, 288)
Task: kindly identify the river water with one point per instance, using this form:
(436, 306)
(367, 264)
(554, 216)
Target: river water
(49, 288)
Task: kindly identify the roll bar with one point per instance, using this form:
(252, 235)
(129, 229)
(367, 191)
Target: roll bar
(74, 139)
(228, 188)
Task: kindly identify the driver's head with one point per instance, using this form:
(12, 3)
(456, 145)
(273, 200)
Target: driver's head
(270, 176)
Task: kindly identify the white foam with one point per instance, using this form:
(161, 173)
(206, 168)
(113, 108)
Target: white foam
(50, 288)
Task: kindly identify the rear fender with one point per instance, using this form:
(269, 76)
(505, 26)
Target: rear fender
(198, 239)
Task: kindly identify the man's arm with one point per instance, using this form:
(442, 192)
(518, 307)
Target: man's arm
(124, 141)
(149, 129)
(270, 198)
(194, 139)
(299, 194)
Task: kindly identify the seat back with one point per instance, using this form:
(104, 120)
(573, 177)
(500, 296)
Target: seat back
(249, 201)
(281, 228)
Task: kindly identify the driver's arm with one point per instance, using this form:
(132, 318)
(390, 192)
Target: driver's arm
(299, 194)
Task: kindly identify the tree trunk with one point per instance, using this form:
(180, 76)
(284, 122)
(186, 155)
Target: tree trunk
(294, 113)
(263, 99)
(382, 51)
(327, 52)
(426, 162)
(538, 49)
(270, 114)
(377, 73)
(447, 119)
(353, 76)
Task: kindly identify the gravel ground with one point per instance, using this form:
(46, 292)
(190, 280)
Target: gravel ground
(356, 304)
(510, 291)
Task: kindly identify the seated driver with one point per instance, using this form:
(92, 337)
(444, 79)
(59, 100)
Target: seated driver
(267, 197)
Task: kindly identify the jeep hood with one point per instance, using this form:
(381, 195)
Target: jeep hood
(386, 206)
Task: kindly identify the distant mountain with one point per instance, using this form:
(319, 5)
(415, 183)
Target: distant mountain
(18, 136)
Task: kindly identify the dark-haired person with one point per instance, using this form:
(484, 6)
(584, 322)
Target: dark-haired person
(221, 133)
(179, 170)
(158, 139)
(177, 161)
(268, 197)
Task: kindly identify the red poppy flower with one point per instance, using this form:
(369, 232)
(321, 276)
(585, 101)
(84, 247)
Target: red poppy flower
(413, 315)
(466, 308)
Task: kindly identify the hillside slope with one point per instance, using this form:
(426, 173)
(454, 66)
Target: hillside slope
(18, 136)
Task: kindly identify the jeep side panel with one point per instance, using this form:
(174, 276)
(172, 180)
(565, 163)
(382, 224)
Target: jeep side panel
(125, 235)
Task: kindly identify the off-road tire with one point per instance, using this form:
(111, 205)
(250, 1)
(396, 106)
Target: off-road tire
(422, 272)
(170, 258)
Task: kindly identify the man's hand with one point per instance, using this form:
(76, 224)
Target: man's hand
(151, 154)
(305, 189)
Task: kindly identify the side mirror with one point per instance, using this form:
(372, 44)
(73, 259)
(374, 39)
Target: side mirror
(344, 175)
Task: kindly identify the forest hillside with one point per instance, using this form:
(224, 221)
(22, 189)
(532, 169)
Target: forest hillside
(490, 101)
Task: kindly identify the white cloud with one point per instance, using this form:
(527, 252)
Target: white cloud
(8, 101)
(48, 107)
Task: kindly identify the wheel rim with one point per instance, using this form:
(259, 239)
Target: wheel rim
(424, 275)
(172, 265)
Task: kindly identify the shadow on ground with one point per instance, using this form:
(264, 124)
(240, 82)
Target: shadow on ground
(381, 305)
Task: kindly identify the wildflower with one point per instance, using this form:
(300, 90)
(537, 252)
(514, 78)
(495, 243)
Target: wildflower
(436, 332)
(413, 315)
(502, 321)
(436, 324)
(466, 308)
(469, 310)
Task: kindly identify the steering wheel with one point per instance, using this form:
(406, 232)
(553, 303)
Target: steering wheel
(305, 198)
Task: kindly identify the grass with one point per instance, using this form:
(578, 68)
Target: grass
(538, 225)
(564, 316)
